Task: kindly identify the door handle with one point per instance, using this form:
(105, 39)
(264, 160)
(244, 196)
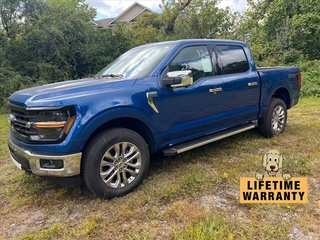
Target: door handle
(252, 84)
(215, 90)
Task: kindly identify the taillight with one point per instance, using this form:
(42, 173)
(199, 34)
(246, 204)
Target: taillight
(299, 80)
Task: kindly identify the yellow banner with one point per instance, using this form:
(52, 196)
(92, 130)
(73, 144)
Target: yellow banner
(274, 190)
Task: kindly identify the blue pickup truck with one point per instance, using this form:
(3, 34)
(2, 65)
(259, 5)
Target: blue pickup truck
(166, 97)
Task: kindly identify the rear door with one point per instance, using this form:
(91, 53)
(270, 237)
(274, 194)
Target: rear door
(241, 85)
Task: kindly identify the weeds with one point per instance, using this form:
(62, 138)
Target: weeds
(194, 195)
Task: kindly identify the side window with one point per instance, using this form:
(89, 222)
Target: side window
(196, 59)
(232, 59)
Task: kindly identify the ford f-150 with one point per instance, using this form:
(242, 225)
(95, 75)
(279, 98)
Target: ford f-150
(166, 97)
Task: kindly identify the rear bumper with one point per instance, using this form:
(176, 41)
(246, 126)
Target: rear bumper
(295, 101)
(30, 162)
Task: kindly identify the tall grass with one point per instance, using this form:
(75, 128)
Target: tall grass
(194, 195)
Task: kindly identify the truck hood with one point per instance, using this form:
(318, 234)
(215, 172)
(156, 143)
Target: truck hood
(56, 93)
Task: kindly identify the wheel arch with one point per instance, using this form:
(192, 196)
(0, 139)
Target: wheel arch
(284, 95)
(127, 122)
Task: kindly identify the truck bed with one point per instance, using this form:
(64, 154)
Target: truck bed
(287, 77)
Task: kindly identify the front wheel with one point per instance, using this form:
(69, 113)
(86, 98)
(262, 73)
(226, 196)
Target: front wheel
(115, 162)
(275, 119)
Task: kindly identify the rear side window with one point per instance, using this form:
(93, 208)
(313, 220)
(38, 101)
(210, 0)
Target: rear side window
(232, 59)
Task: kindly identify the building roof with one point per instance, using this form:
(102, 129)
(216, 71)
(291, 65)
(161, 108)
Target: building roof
(131, 14)
(103, 23)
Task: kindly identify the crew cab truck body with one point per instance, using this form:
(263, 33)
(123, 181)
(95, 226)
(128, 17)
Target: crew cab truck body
(168, 96)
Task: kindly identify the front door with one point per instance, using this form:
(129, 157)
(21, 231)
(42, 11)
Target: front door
(192, 111)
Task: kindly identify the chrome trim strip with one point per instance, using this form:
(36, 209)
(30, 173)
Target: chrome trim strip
(150, 96)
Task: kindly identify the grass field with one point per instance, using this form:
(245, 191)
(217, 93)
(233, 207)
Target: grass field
(194, 195)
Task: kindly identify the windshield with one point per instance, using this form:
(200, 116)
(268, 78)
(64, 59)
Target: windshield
(137, 62)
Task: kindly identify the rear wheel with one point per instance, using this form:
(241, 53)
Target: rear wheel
(115, 162)
(275, 119)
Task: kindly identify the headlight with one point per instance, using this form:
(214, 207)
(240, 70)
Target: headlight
(53, 125)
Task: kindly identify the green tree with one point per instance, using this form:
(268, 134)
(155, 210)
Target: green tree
(10, 80)
(53, 40)
(282, 29)
(204, 19)
(14, 13)
(149, 28)
(51, 43)
(107, 45)
(305, 34)
(171, 11)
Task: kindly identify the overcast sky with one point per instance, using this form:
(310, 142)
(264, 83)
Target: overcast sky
(112, 8)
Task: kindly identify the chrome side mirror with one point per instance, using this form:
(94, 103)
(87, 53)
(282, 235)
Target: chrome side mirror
(181, 78)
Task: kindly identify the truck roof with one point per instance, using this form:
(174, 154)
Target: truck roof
(200, 41)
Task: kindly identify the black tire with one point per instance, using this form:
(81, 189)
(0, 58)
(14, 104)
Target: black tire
(275, 119)
(115, 162)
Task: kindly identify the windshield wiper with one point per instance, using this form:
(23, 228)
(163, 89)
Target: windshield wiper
(112, 75)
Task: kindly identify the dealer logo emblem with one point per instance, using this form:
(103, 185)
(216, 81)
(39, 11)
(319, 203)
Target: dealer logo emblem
(272, 162)
(273, 186)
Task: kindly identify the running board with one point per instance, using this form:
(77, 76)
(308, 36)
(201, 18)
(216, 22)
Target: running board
(206, 140)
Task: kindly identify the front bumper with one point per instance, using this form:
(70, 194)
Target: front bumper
(30, 162)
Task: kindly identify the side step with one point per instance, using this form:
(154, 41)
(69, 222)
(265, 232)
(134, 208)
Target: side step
(183, 147)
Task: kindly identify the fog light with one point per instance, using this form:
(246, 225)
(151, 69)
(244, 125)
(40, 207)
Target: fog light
(51, 164)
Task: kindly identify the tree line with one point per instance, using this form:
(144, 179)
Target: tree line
(45, 41)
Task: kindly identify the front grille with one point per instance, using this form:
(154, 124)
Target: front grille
(27, 123)
(20, 121)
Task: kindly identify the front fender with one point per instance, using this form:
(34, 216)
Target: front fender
(92, 124)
